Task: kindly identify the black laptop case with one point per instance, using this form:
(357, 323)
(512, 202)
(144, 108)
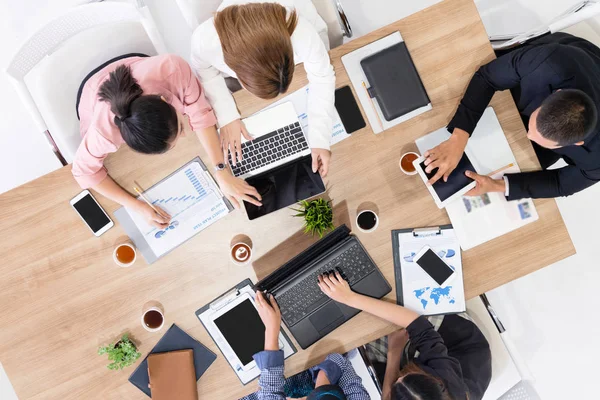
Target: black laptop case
(394, 81)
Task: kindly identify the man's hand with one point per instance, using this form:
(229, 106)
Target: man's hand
(235, 188)
(320, 161)
(485, 184)
(446, 155)
(159, 221)
(231, 141)
(271, 317)
(334, 286)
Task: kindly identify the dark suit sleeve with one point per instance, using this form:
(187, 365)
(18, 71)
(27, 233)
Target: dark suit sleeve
(503, 73)
(550, 183)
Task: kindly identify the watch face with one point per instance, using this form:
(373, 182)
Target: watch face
(220, 166)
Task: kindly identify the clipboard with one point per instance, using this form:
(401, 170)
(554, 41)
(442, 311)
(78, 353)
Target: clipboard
(205, 313)
(146, 245)
(445, 242)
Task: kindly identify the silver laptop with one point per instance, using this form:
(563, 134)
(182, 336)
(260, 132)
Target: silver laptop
(278, 139)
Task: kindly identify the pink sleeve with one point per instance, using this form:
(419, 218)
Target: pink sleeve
(88, 165)
(196, 106)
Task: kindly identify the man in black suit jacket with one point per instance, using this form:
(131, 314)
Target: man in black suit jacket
(555, 82)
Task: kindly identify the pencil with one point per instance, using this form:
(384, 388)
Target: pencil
(373, 105)
(138, 191)
(501, 169)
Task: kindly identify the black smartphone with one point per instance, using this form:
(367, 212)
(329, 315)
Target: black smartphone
(346, 106)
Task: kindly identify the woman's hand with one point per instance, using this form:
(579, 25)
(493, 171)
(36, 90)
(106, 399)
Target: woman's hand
(159, 221)
(334, 286)
(446, 156)
(235, 188)
(271, 317)
(231, 140)
(320, 161)
(396, 341)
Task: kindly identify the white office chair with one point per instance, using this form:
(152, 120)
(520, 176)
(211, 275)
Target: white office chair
(573, 16)
(49, 68)
(327, 15)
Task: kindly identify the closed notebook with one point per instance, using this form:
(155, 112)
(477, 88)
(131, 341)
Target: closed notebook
(394, 81)
(172, 375)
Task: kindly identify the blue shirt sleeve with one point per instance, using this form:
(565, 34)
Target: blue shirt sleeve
(271, 379)
(339, 371)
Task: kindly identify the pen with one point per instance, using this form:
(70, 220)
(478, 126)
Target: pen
(501, 169)
(147, 201)
(373, 105)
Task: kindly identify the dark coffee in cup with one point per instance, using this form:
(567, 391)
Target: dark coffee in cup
(367, 220)
(153, 319)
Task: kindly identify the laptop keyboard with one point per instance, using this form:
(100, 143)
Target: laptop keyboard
(305, 296)
(270, 148)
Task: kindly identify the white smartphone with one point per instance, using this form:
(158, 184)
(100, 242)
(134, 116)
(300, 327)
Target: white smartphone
(91, 213)
(434, 266)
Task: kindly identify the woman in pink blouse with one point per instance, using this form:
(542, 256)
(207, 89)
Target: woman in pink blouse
(142, 101)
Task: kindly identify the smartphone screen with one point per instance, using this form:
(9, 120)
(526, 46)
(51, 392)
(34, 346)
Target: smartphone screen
(435, 267)
(91, 212)
(345, 103)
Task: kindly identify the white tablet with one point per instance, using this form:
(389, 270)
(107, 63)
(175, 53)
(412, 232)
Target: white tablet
(235, 326)
(458, 184)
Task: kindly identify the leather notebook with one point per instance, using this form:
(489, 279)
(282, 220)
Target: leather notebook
(174, 339)
(172, 375)
(394, 81)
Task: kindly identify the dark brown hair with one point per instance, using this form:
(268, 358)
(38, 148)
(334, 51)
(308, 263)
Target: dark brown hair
(147, 123)
(417, 384)
(257, 46)
(567, 116)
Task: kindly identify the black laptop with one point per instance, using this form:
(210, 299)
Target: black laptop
(308, 313)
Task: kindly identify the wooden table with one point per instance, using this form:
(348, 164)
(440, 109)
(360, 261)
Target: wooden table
(62, 296)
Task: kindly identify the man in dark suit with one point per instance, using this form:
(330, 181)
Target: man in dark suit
(555, 82)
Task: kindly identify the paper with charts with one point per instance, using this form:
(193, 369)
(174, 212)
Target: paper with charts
(192, 199)
(300, 101)
(420, 292)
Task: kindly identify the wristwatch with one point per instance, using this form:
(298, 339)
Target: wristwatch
(220, 167)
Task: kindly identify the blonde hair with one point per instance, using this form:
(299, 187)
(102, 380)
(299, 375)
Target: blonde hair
(257, 46)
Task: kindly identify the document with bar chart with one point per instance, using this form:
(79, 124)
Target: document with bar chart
(192, 199)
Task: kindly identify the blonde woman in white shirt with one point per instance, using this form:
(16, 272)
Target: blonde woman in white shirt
(259, 43)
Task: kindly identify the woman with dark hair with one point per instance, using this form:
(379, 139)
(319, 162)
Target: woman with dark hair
(453, 363)
(143, 102)
(259, 42)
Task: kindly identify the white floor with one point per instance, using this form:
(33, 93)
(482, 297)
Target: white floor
(544, 312)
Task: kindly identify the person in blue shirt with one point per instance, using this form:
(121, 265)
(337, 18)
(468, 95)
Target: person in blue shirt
(333, 379)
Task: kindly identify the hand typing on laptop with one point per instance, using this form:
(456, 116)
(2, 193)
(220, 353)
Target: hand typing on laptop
(231, 141)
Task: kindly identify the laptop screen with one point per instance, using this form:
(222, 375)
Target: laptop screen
(284, 186)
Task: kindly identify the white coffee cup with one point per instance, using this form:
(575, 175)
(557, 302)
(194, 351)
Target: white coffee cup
(374, 226)
(121, 264)
(411, 163)
(154, 309)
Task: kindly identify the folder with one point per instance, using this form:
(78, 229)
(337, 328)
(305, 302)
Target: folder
(174, 339)
(395, 82)
(172, 375)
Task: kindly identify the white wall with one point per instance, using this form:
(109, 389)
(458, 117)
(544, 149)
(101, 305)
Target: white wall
(24, 154)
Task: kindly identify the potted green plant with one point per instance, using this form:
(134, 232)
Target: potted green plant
(122, 354)
(318, 216)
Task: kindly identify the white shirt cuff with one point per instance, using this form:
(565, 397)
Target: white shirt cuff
(507, 190)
